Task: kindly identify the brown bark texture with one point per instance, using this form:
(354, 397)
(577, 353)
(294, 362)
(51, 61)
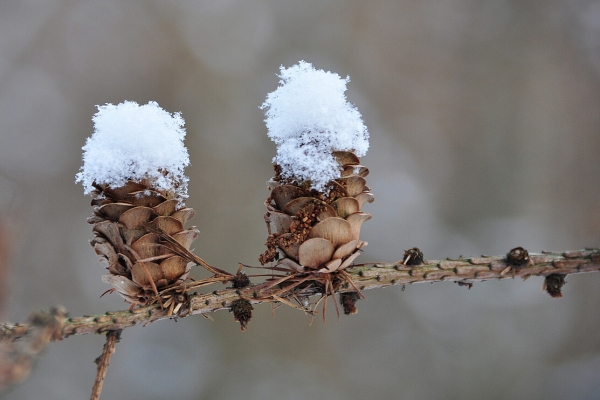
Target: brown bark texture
(464, 270)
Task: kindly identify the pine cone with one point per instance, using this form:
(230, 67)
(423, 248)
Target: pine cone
(129, 222)
(318, 231)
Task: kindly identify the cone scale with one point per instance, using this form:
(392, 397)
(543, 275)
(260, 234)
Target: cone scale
(317, 231)
(128, 224)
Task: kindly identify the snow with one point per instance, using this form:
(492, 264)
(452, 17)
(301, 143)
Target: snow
(136, 142)
(309, 117)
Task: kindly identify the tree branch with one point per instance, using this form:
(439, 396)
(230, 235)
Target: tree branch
(112, 338)
(366, 276)
(21, 344)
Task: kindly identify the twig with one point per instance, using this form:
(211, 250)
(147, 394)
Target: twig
(363, 276)
(112, 338)
(18, 356)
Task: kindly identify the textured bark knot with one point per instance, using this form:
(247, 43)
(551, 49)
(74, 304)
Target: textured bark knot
(242, 312)
(413, 256)
(553, 284)
(518, 257)
(348, 301)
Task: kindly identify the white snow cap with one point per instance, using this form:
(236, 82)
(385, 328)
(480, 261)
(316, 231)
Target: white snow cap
(309, 117)
(136, 142)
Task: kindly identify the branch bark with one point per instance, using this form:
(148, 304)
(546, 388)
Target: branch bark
(364, 276)
(21, 344)
(112, 338)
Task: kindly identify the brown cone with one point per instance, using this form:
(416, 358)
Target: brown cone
(318, 231)
(128, 223)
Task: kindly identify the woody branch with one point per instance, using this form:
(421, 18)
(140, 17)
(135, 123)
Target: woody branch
(364, 276)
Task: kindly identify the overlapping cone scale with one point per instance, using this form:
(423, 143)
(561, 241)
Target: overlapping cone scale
(317, 231)
(128, 224)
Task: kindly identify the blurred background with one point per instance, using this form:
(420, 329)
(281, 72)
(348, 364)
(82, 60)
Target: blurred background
(484, 121)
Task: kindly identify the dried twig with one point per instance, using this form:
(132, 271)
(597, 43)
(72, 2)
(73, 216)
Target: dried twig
(21, 344)
(364, 277)
(112, 338)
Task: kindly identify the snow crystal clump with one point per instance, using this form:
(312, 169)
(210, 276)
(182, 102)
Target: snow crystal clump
(309, 117)
(138, 143)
